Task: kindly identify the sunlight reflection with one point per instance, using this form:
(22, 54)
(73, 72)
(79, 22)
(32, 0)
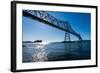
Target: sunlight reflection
(40, 54)
(39, 46)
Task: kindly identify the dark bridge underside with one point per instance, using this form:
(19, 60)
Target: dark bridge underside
(26, 14)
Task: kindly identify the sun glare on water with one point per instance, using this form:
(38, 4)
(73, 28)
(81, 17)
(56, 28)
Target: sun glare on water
(44, 43)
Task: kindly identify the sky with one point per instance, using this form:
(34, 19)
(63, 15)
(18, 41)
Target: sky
(35, 30)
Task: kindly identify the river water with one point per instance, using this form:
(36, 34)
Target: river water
(57, 51)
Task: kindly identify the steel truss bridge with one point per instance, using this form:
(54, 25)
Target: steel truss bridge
(43, 16)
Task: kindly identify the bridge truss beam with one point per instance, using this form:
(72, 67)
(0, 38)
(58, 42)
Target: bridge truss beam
(45, 17)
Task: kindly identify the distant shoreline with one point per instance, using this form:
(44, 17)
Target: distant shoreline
(56, 42)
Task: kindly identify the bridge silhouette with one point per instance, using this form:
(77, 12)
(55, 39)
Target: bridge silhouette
(44, 17)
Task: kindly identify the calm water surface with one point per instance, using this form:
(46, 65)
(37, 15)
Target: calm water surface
(37, 52)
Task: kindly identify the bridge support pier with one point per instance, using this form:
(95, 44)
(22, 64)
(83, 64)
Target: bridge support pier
(67, 37)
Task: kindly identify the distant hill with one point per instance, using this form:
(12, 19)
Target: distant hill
(27, 42)
(36, 41)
